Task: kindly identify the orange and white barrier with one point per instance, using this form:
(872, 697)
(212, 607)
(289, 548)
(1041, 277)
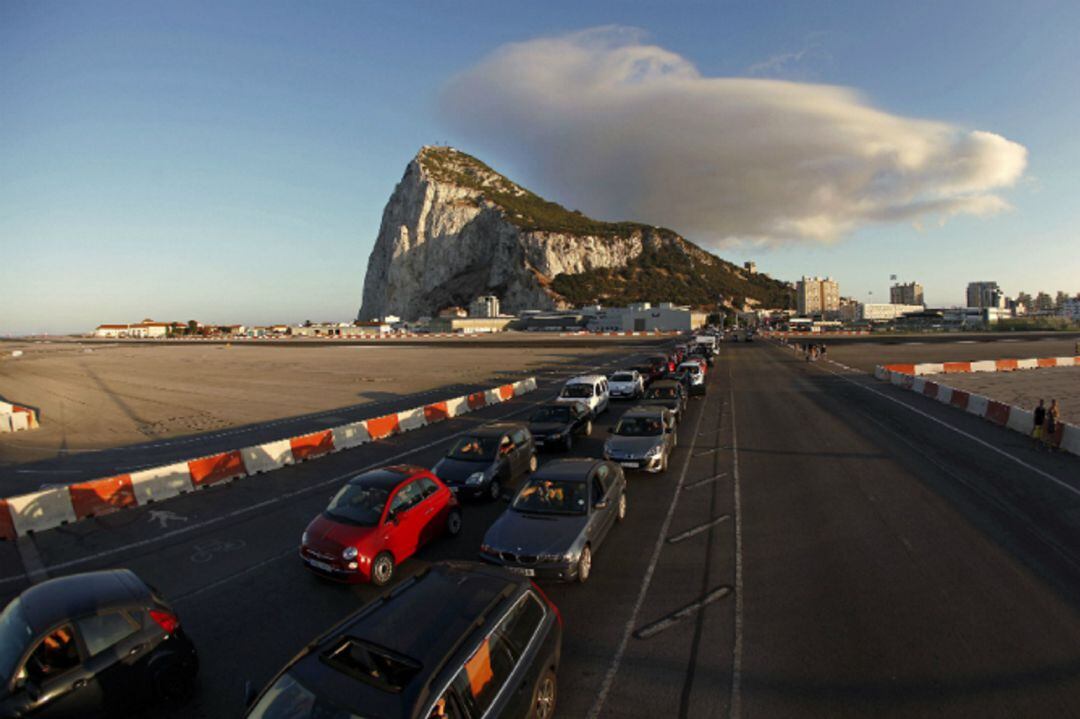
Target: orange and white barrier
(1018, 419)
(38, 511)
(15, 418)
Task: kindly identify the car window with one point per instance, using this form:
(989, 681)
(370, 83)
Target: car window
(102, 631)
(577, 391)
(521, 622)
(520, 437)
(406, 497)
(448, 706)
(484, 674)
(54, 655)
(15, 636)
(427, 486)
(597, 489)
(505, 445)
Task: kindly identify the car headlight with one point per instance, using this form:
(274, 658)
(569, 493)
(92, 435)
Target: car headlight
(349, 553)
(474, 479)
(655, 451)
(304, 537)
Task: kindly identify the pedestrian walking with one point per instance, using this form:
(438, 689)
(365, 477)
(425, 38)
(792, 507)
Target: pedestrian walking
(1037, 430)
(1053, 415)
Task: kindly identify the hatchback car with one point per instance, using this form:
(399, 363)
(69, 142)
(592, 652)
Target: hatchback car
(626, 384)
(695, 375)
(556, 425)
(459, 640)
(590, 390)
(376, 521)
(488, 458)
(558, 520)
(667, 393)
(89, 645)
(643, 439)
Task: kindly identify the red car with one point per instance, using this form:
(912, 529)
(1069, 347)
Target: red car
(378, 520)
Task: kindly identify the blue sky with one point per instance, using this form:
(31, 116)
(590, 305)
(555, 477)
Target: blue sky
(230, 161)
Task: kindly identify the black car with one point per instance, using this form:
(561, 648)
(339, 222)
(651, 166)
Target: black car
(667, 393)
(90, 645)
(456, 640)
(557, 424)
(488, 458)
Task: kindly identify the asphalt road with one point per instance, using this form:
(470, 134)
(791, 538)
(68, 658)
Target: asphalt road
(822, 545)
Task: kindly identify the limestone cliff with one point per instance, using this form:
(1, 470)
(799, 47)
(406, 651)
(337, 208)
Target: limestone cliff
(455, 229)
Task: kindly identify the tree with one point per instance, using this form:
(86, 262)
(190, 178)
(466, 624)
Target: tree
(192, 327)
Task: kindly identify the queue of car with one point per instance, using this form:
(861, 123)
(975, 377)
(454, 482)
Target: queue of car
(100, 643)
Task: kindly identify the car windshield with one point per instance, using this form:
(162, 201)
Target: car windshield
(359, 504)
(552, 414)
(639, 427)
(692, 368)
(552, 496)
(289, 699)
(15, 635)
(475, 449)
(622, 377)
(661, 393)
(577, 390)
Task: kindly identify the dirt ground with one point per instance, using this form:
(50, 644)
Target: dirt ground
(1024, 388)
(93, 396)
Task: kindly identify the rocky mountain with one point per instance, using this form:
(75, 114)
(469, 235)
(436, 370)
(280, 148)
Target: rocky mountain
(455, 229)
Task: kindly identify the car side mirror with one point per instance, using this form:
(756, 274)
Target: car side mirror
(249, 693)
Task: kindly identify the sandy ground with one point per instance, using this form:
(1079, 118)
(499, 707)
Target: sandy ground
(93, 396)
(1024, 388)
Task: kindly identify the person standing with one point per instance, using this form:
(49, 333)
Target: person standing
(1040, 419)
(1053, 414)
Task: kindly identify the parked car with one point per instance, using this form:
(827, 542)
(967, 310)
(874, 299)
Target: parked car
(376, 521)
(487, 459)
(90, 645)
(556, 425)
(590, 390)
(626, 384)
(459, 639)
(695, 376)
(667, 393)
(558, 520)
(643, 439)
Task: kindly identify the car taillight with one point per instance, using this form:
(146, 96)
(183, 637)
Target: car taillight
(558, 614)
(166, 620)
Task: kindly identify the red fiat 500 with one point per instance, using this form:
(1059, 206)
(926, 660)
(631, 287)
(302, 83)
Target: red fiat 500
(377, 520)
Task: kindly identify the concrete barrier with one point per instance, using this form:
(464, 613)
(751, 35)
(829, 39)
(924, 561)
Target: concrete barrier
(350, 435)
(216, 468)
(267, 457)
(102, 496)
(411, 419)
(154, 485)
(42, 510)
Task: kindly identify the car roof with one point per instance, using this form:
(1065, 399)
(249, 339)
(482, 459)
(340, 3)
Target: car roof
(567, 468)
(494, 428)
(427, 619)
(644, 409)
(387, 477)
(76, 595)
(586, 379)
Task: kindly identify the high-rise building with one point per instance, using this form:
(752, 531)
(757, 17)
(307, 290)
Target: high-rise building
(484, 306)
(910, 293)
(817, 296)
(985, 294)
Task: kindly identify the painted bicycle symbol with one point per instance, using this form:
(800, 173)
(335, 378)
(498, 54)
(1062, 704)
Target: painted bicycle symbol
(206, 551)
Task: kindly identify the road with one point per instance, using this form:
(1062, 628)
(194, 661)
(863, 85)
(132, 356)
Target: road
(822, 545)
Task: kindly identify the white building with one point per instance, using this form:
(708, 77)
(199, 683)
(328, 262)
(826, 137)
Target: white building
(817, 296)
(144, 330)
(643, 317)
(484, 306)
(882, 312)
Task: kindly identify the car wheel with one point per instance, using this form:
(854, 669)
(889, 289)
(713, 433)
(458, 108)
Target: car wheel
(621, 513)
(568, 443)
(494, 490)
(588, 428)
(382, 569)
(546, 693)
(453, 522)
(532, 464)
(584, 565)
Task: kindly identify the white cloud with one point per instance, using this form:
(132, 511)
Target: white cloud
(626, 130)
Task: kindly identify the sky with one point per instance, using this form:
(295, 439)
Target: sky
(229, 162)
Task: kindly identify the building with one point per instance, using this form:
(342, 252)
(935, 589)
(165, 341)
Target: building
(469, 325)
(453, 312)
(909, 293)
(817, 296)
(484, 306)
(1070, 309)
(750, 267)
(147, 329)
(985, 294)
(882, 312)
(643, 317)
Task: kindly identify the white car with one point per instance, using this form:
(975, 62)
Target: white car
(697, 376)
(590, 390)
(626, 384)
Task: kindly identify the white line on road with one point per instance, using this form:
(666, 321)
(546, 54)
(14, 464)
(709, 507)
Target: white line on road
(696, 530)
(703, 482)
(609, 678)
(736, 661)
(676, 617)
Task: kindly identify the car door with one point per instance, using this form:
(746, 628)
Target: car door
(523, 451)
(599, 493)
(405, 521)
(432, 509)
(115, 646)
(56, 679)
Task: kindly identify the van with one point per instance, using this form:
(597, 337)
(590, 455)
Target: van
(590, 390)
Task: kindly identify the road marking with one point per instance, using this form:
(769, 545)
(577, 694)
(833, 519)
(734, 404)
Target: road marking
(609, 678)
(244, 572)
(164, 516)
(708, 452)
(703, 482)
(674, 618)
(205, 551)
(973, 438)
(697, 530)
(736, 661)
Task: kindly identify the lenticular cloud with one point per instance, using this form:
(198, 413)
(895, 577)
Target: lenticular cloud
(626, 130)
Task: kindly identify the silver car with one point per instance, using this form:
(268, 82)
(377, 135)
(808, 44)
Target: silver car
(643, 439)
(558, 519)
